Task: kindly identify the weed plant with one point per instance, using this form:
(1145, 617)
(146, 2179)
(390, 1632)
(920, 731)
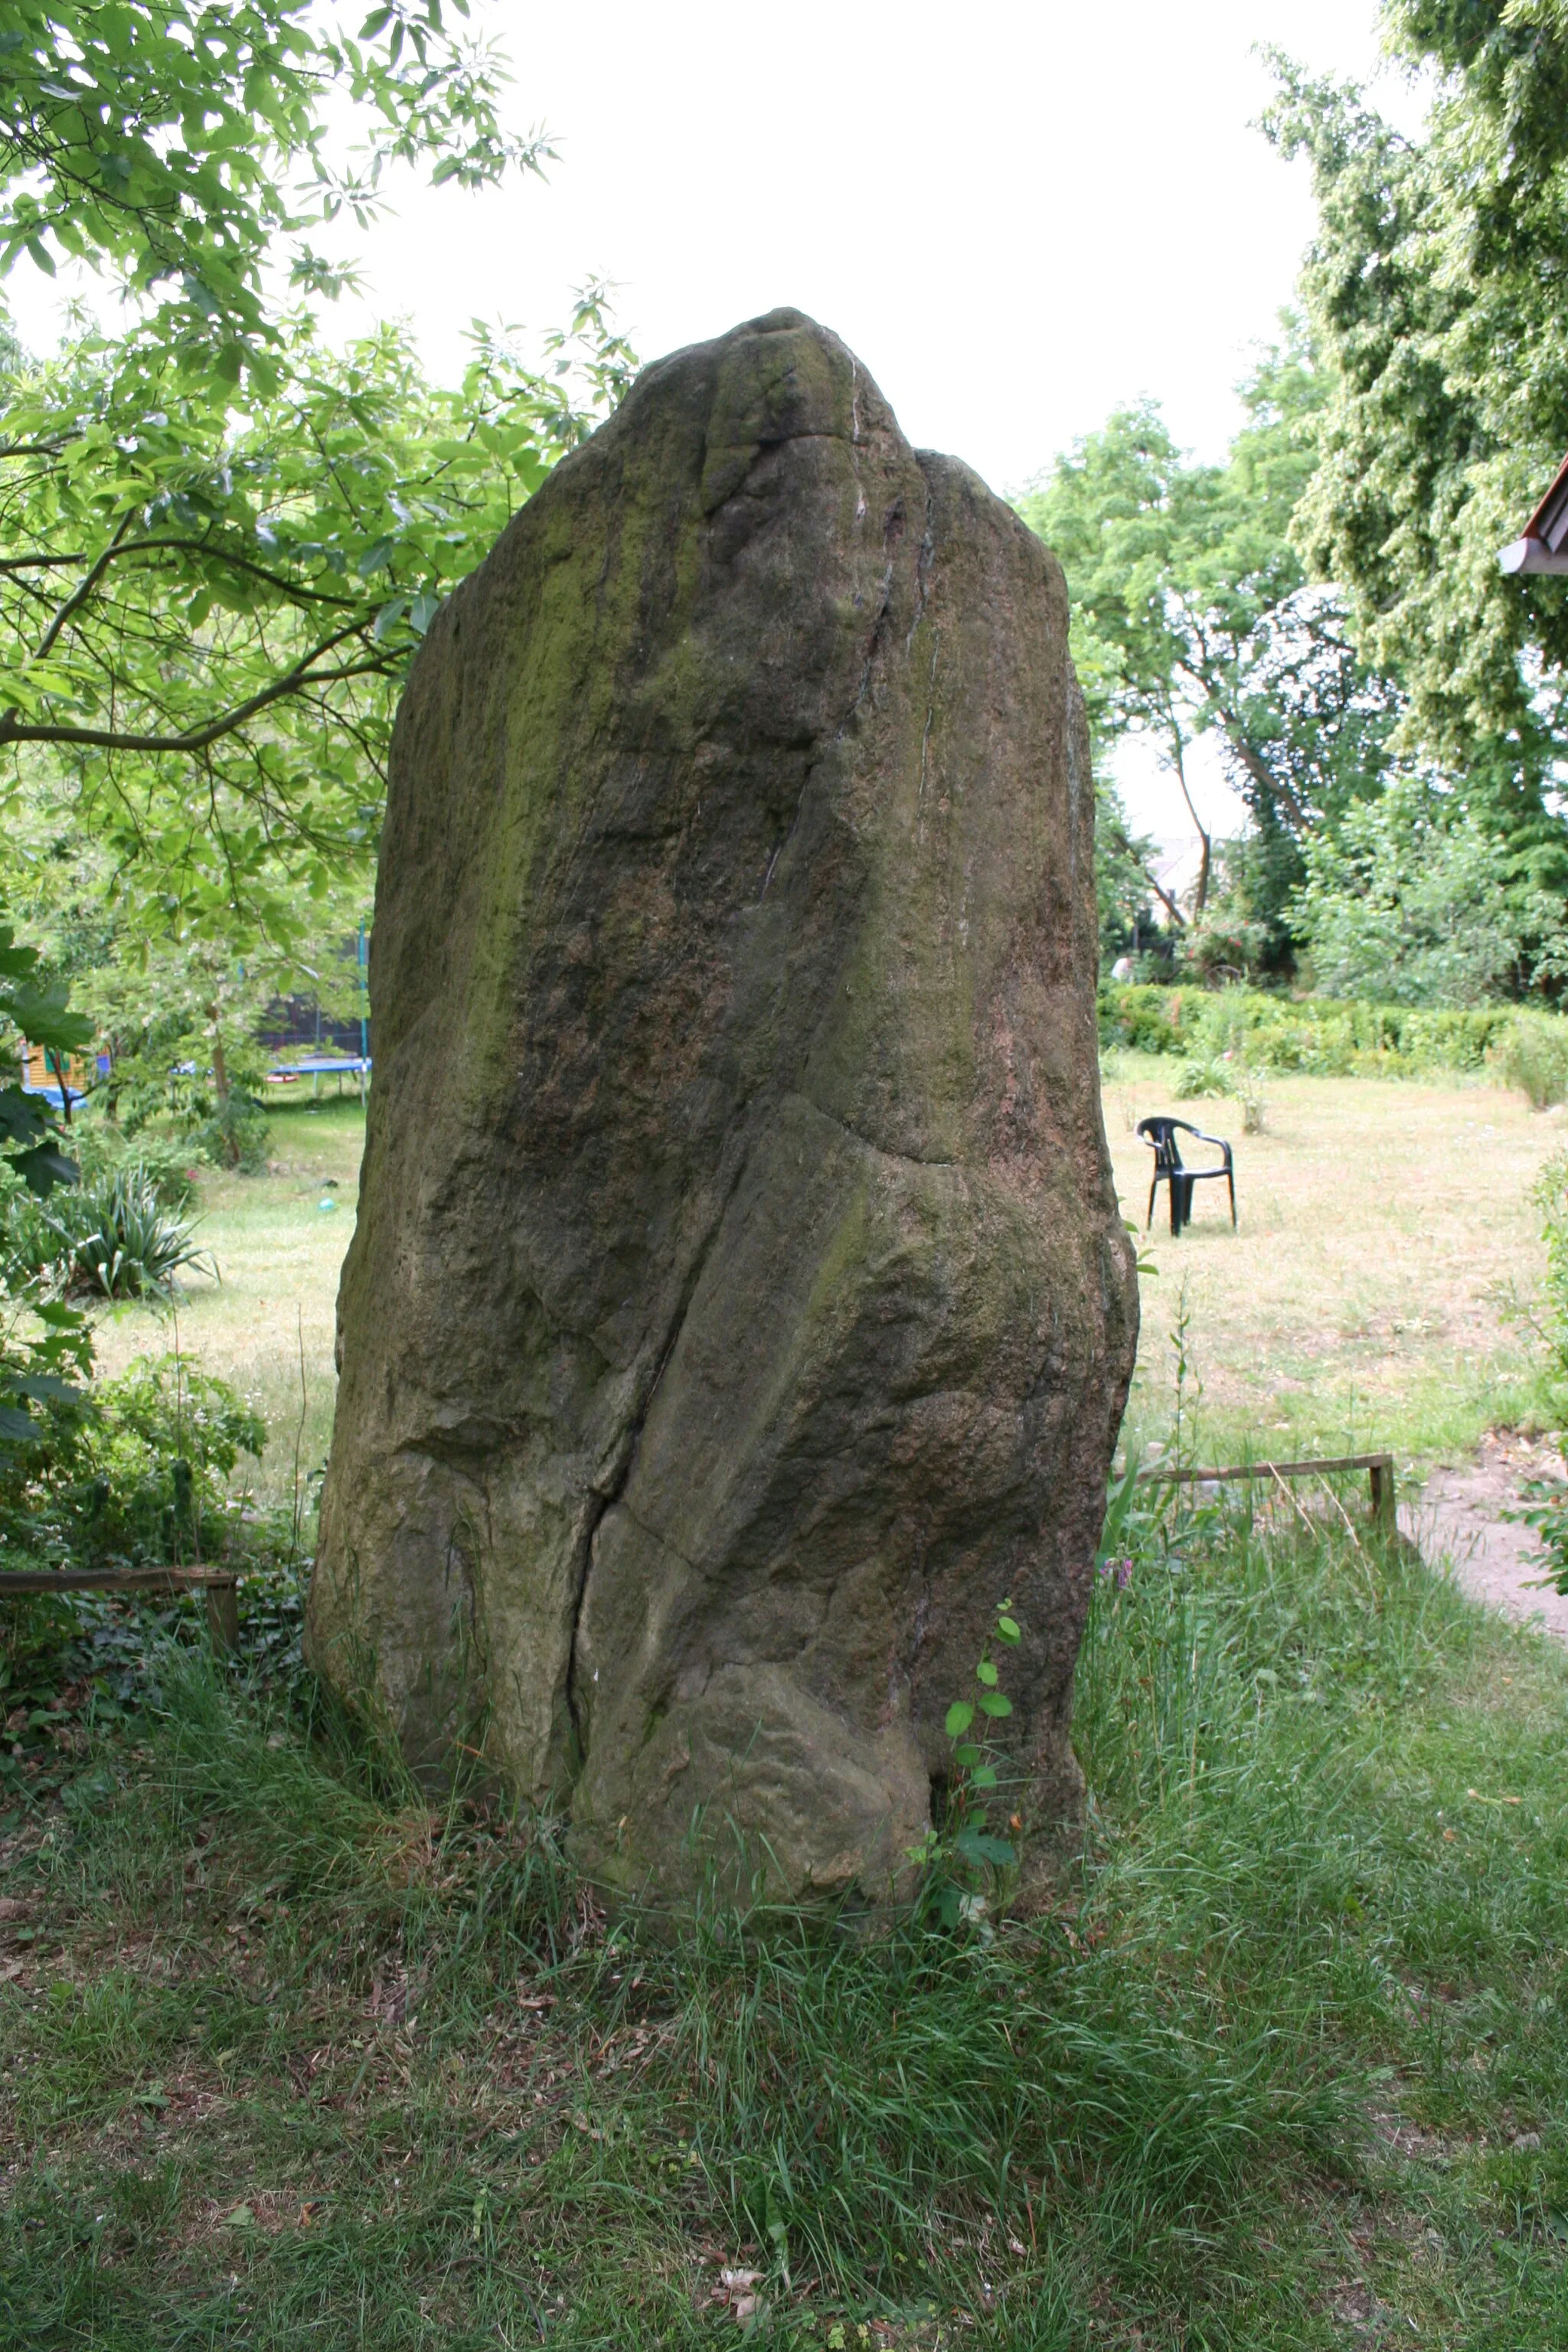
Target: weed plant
(294, 2054)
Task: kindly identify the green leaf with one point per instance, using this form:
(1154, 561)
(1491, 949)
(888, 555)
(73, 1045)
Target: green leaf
(979, 1846)
(44, 1388)
(995, 1703)
(42, 1016)
(1007, 1629)
(45, 1166)
(985, 1673)
(959, 1718)
(22, 1116)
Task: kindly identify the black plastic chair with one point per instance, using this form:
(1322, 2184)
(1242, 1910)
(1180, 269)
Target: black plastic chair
(1160, 1135)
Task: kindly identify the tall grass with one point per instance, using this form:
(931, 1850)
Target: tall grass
(1155, 2108)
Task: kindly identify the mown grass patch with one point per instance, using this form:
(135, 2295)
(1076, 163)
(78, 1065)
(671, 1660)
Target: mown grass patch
(290, 2056)
(1369, 1298)
(267, 1327)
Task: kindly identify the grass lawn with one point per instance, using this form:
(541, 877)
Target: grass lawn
(1362, 1306)
(290, 2057)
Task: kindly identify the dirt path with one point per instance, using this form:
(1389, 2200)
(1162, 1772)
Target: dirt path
(1459, 1516)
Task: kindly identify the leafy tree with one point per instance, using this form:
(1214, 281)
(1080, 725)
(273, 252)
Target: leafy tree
(1126, 892)
(207, 613)
(1434, 287)
(33, 1010)
(1199, 619)
(1413, 900)
(219, 539)
(182, 145)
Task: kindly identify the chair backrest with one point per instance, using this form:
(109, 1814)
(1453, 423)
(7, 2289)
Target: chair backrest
(1159, 1134)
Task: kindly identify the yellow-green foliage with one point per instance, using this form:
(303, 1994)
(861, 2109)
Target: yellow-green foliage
(1535, 1059)
(1326, 1036)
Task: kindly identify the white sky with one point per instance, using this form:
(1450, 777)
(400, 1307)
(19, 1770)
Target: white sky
(1017, 216)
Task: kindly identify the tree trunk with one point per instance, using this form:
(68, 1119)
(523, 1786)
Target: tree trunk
(1205, 859)
(220, 1066)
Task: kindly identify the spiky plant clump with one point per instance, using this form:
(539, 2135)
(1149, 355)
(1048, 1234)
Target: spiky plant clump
(114, 1238)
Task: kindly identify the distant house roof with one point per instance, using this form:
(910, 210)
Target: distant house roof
(1544, 544)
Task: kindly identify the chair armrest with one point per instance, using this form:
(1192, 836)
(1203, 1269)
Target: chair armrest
(1217, 1140)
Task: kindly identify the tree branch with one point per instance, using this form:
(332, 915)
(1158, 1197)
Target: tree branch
(1163, 896)
(1257, 768)
(293, 589)
(82, 592)
(14, 729)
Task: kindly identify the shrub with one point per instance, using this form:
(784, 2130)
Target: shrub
(1143, 1017)
(104, 1149)
(135, 1471)
(237, 1135)
(1320, 1036)
(1223, 946)
(1535, 1059)
(1210, 1074)
(110, 1239)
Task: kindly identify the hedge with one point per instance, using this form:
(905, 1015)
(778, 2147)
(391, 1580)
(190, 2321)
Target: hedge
(1328, 1036)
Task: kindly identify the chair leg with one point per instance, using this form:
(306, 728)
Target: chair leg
(1230, 1180)
(1152, 1190)
(1176, 1205)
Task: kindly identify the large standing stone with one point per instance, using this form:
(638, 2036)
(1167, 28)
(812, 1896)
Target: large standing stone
(739, 1307)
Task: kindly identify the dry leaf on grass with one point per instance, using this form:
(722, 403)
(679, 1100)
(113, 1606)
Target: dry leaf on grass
(736, 2291)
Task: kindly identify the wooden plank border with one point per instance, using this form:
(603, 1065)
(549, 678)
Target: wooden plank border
(218, 1587)
(1379, 1468)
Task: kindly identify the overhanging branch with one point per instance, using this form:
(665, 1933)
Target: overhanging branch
(303, 679)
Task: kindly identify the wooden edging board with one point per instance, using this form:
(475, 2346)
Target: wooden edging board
(216, 1585)
(1379, 1468)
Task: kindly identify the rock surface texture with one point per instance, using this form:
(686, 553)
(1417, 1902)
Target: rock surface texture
(740, 1305)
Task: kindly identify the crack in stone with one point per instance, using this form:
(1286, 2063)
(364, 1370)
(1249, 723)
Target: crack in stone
(663, 1541)
(925, 734)
(909, 1159)
(923, 560)
(872, 650)
(608, 1499)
